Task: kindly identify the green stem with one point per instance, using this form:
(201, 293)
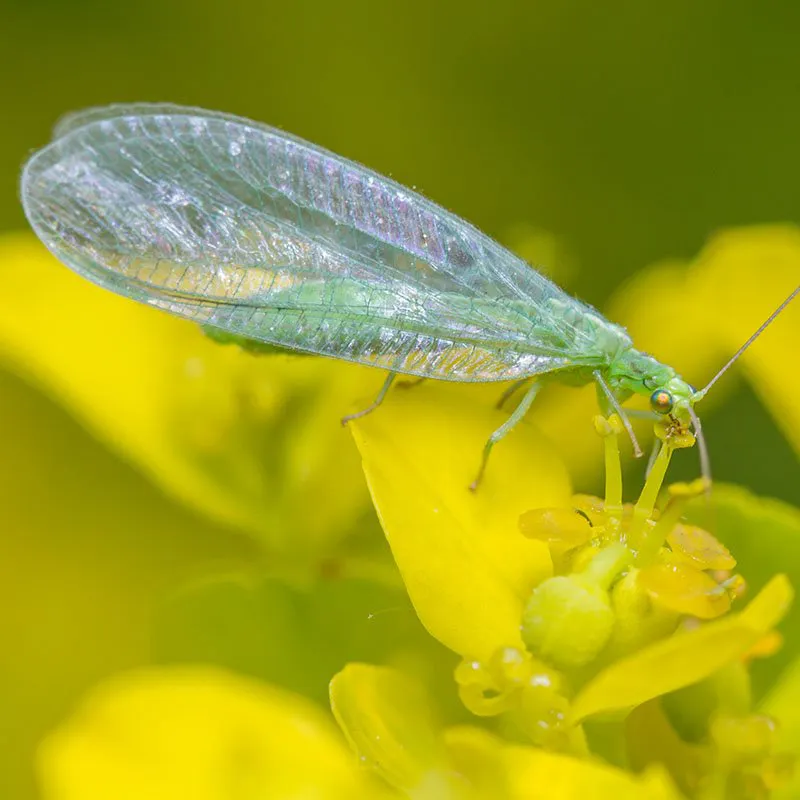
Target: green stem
(653, 539)
(643, 510)
(609, 429)
(613, 503)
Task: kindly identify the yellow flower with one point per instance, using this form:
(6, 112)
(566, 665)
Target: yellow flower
(389, 722)
(722, 279)
(465, 566)
(198, 733)
(694, 316)
(606, 633)
(549, 643)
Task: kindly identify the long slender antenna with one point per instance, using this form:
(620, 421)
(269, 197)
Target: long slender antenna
(747, 344)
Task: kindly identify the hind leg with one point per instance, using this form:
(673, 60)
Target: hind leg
(512, 390)
(375, 403)
(410, 383)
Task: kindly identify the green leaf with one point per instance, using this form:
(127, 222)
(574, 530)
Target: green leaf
(295, 637)
(89, 549)
(783, 703)
(764, 537)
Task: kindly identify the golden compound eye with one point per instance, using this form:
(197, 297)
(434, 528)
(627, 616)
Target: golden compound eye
(661, 401)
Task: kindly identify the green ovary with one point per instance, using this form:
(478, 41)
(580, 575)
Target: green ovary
(567, 621)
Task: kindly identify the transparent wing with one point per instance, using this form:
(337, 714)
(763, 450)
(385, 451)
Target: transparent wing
(236, 225)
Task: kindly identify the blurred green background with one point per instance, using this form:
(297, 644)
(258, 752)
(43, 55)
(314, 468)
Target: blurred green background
(629, 131)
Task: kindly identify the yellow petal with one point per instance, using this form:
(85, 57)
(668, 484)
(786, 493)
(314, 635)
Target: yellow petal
(478, 758)
(467, 567)
(495, 770)
(197, 733)
(387, 719)
(684, 658)
(740, 278)
(539, 775)
(246, 440)
(651, 739)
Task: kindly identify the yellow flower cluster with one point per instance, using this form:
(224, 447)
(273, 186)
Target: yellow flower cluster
(570, 646)
(612, 619)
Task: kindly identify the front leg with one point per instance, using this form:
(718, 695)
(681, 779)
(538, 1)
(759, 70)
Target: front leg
(609, 403)
(506, 428)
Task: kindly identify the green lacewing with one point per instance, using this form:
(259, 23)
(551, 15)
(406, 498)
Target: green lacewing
(260, 236)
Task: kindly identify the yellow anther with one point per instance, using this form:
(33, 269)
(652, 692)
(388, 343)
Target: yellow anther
(735, 585)
(765, 647)
(694, 488)
(699, 547)
(561, 527)
(685, 590)
(608, 426)
(674, 434)
(592, 506)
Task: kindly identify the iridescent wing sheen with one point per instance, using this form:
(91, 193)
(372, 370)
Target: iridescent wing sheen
(236, 225)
